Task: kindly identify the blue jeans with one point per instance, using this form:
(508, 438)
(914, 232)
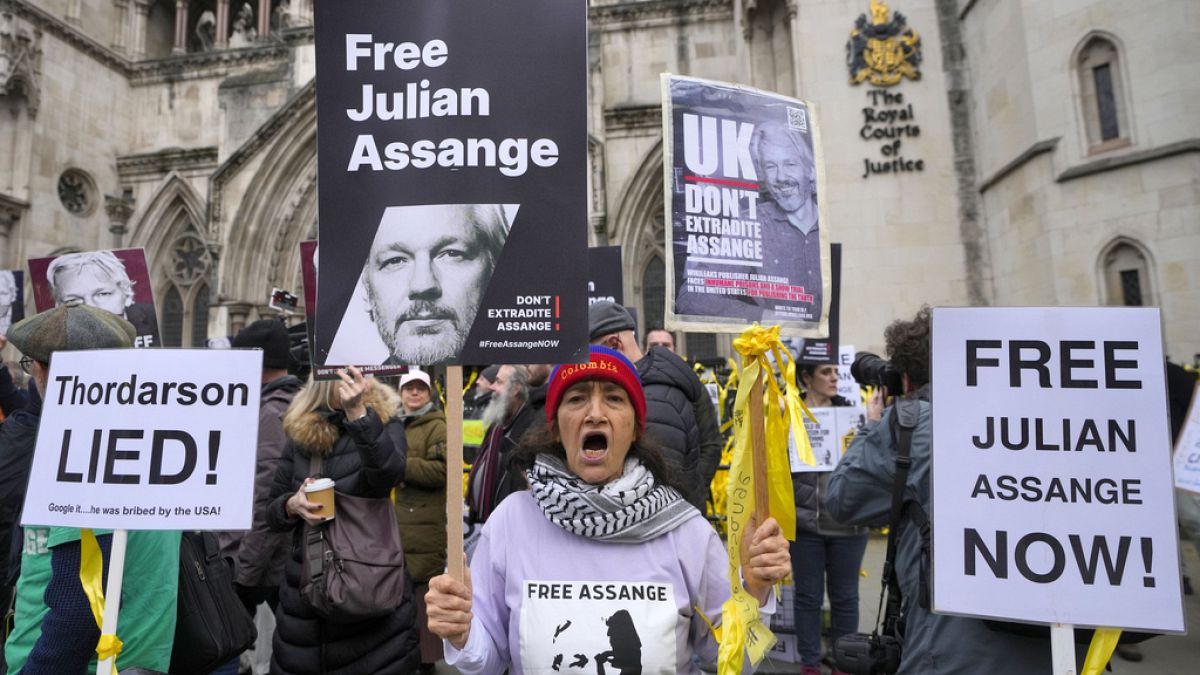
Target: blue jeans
(818, 561)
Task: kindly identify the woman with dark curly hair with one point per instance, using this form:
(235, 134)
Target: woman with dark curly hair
(602, 562)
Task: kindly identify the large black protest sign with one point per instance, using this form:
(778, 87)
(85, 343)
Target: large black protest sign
(748, 240)
(451, 157)
(604, 275)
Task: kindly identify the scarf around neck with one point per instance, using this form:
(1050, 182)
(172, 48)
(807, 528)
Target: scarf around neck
(631, 509)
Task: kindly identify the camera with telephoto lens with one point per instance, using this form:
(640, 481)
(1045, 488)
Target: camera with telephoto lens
(870, 370)
(867, 653)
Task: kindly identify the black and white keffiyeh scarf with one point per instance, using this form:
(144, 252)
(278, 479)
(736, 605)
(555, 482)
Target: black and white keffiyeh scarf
(631, 509)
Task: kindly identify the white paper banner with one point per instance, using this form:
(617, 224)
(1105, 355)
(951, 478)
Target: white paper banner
(148, 439)
(1187, 450)
(1051, 488)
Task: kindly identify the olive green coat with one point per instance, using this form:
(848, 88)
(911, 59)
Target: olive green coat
(421, 497)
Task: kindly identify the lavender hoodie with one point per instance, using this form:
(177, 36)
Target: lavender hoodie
(548, 601)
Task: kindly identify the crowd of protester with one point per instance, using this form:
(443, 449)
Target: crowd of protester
(586, 473)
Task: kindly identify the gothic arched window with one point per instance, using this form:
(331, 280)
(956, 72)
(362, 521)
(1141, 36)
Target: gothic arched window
(1102, 95)
(1126, 273)
(185, 303)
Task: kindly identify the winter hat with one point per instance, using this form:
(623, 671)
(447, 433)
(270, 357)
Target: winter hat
(70, 327)
(269, 335)
(603, 364)
(414, 375)
(606, 318)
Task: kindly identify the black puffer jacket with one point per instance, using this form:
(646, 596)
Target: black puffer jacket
(671, 387)
(809, 489)
(365, 457)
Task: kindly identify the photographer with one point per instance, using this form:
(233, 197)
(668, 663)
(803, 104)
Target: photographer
(860, 492)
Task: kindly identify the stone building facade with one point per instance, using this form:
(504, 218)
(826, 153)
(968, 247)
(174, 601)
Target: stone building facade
(1058, 165)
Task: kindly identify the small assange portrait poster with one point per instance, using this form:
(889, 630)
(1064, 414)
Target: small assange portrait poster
(12, 298)
(116, 280)
(748, 238)
(452, 158)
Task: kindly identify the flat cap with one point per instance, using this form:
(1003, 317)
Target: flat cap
(606, 318)
(70, 327)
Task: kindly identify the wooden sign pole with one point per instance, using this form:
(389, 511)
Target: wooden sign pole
(1062, 649)
(758, 442)
(454, 472)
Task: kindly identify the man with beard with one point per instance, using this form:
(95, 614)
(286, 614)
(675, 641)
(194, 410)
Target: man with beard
(99, 279)
(426, 274)
(512, 409)
(791, 238)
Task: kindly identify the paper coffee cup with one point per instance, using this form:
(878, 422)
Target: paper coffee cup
(320, 491)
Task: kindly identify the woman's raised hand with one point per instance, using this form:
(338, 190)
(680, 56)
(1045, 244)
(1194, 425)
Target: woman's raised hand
(352, 390)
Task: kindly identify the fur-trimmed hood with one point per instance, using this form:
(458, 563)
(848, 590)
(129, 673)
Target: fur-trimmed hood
(316, 431)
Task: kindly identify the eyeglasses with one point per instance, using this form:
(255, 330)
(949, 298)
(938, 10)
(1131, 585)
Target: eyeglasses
(26, 362)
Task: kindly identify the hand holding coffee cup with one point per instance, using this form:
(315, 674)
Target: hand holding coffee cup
(352, 390)
(313, 512)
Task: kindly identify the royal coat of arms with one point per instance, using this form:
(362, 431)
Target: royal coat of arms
(883, 51)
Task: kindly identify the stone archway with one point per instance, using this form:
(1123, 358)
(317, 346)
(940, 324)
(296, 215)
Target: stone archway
(270, 187)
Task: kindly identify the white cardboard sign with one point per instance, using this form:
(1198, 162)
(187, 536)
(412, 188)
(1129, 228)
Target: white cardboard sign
(1187, 450)
(1051, 487)
(828, 437)
(147, 439)
(847, 387)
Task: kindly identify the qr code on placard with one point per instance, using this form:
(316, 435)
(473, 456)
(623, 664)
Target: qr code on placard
(797, 119)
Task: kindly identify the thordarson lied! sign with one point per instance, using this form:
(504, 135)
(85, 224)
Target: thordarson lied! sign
(157, 439)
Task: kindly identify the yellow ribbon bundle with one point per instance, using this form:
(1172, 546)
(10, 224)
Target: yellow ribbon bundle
(743, 632)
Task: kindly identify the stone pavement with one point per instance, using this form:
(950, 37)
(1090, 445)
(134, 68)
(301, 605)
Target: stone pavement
(1167, 655)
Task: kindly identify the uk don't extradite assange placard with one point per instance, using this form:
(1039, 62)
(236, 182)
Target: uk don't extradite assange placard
(1051, 481)
(161, 439)
(451, 152)
(747, 239)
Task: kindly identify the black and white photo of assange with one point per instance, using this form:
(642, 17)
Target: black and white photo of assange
(421, 285)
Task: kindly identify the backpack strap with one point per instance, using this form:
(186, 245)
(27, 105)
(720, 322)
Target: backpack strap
(905, 416)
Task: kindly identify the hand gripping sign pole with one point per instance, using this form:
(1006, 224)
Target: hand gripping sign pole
(454, 472)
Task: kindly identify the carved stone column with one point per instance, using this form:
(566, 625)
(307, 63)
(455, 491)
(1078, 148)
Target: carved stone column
(264, 19)
(120, 30)
(73, 10)
(181, 7)
(137, 30)
(119, 210)
(222, 39)
(793, 22)
(238, 313)
(741, 36)
(10, 217)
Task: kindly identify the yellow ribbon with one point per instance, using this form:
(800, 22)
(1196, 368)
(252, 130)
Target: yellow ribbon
(109, 647)
(1104, 641)
(91, 577)
(744, 632)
